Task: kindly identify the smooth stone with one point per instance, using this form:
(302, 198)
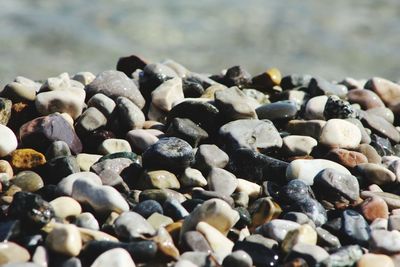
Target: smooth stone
(31, 209)
(130, 115)
(266, 80)
(187, 130)
(315, 108)
(198, 258)
(320, 86)
(141, 140)
(9, 229)
(72, 262)
(326, 239)
(40, 256)
(382, 145)
(347, 158)
(147, 208)
(70, 101)
(370, 152)
(383, 241)
(220, 244)
(280, 110)
(6, 168)
(201, 194)
(209, 93)
(305, 234)
(355, 228)
(28, 181)
(251, 189)
(340, 133)
(87, 220)
(38, 133)
(114, 145)
(312, 254)
(160, 179)
(296, 216)
(18, 91)
(221, 181)
(103, 103)
(375, 173)
(85, 161)
(114, 84)
(158, 220)
(379, 224)
(191, 178)
(11, 252)
(365, 133)
(382, 112)
(130, 225)
(167, 93)
(259, 239)
(117, 257)
(336, 108)
(233, 104)
(373, 208)
(306, 170)
(58, 168)
(388, 91)
(161, 195)
(381, 126)
(84, 77)
(90, 120)
(260, 254)
(57, 149)
(392, 200)
(241, 199)
(215, 212)
(8, 142)
(169, 153)
(344, 256)
(312, 128)
(343, 184)
(66, 184)
(195, 241)
(263, 210)
(65, 207)
(102, 198)
(371, 260)
(253, 134)
(367, 99)
(277, 229)
(313, 209)
(65, 239)
(174, 209)
(238, 258)
(208, 156)
(298, 145)
(26, 159)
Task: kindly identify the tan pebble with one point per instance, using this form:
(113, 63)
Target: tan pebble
(375, 260)
(65, 239)
(65, 207)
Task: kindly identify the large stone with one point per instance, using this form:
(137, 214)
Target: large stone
(375, 173)
(130, 225)
(340, 133)
(234, 105)
(65, 239)
(222, 181)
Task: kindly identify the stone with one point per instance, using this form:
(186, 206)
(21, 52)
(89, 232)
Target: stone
(306, 170)
(26, 159)
(381, 126)
(375, 173)
(84, 77)
(102, 198)
(347, 158)
(91, 119)
(195, 241)
(169, 153)
(21, 89)
(158, 220)
(326, 239)
(28, 181)
(370, 260)
(365, 133)
(5, 168)
(65, 207)
(355, 228)
(65, 186)
(236, 76)
(382, 112)
(130, 64)
(87, 220)
(298, 145)
(266, 80)
(280, 110)
(320, 86)
(344, 256)
(38, 133)
(197, 258)
(336, 108)
(57, 149)
(367, 99)
(296, 216)
(147, 208)
(103, 103)
(370, 152)
(184, 263)
(392, 200)
(220, 244)
(264, 241)
(233, 104)
(167, 93)
(315, 108)
(201, 194)
(161, 195)
(221, 181)
(129, 114)
(238, 258)
(8, 141)
(114, 145)
(313, 209)
(186, 130)
(305, 234)
(11, 252)
(383, 241)
(263, 210)
(312, 128)
(58, 168)
(277, 229)
(117, 257)
(130, 225)
(208, 156)
(114, 84)
(215, 212)
(394, 222)
(191, 178)
(312, 254)
(85, 160)
(260, 254)
(373, 208)
(388, 91)
(174, 209)
(340, 133)
(140, 140)
(254, 134)
(65, 239)
(251, 189)
(160, 179)
(5, 110)
(40, 256)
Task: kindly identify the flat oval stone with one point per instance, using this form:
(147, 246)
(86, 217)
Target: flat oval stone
(298, 145)
(66, 184)
(304, 234)
(130, 225)
(277, 111)
(87, 220)
(28, 181)
(370, 152)
(103, 103)
(114, 145)
(65, 239)
(85, 160)
(253, 134)
(192, 177)
(8, 142)
(233, 104)
(375, 173)
(347, 158)
(340, 133)
(117, 257)
(251, 189)
(315, 108)
(195, 241)
(11, 252)
(381, 126)
(160, 179)
(320, 86)
(382, 112)
(169, 153)
(65, 207)
(222, 181)
(355, 228)
(312, 254)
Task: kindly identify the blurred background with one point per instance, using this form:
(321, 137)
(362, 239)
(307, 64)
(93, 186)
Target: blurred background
(334, 39)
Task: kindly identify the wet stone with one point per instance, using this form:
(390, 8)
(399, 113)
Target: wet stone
(281, 110)
(187, 130)
(147, 208)
(260, 255)
(355, 228)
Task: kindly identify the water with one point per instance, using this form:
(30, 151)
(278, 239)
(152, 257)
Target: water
(334, 39)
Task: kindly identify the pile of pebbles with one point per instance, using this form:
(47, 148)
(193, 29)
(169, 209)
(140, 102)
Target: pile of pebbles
(154, 165)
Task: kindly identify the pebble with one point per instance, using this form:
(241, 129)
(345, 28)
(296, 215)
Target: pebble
(387, 91)
(209, 156)
(376, 174)
(221, 181)
(370, 260)
(8, 141)
(167, 93)
(187, 130)
(65, 239)
(87, 220)
(384, 241)
(373, 208)
(129, 114)
(114, 145)
(140, 140)
(277, 229)
(347, 158)
(195, 241)
(65, 207)
(260, 254)
(130, 225)
(355, 228)
(147, 207)
(192, 177)
(298, 145)
(238, 258)
(117, 257)
(312, 254)
(340, 133)
(234, 105)
(11, 252)
(281, 110)
(367, 99)
(28, 181)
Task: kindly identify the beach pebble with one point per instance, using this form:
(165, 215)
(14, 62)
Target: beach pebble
(371, 260)
(114, 145)
(373, 208)
(187, 130)
(140, 140)
(195, 241)
(376, 174)
(8, 142)
(130, 225)
(297, 145)
(167, 93)
(129, 114)
(277, 229)
(251, 189)
(384, 241)
(87, 220)
(85, 160)
(234, 105)
(221, 181)
(340, 133)
(66, 184)
(147, 208)
(238, 258)
(315, 108)
(347, 158)
(160, 179)
(208, 156)
(192, 177)
(65, 207)
(304, 234)
(387, 90)
(280, 110)
(11, 252)
(312, 254)
(65, 239)
(312, 128)
(318, 86)
(28, 181)
(117, 257)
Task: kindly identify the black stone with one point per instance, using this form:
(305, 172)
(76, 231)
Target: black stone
(174, 209)
(336, 108)
(191, 204)
(261, 255)
(277, 111)
(187, 130)
(237, 76)
(355, 228)
(92, 141)
(319, 86)
(57, 149)
(148, 207)
(192, 87)
(129, 64)
(56, 169)
(244, 218)
(128, 155)
(152, 76)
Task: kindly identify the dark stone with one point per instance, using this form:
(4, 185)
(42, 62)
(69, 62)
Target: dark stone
(261, 255)
(49, 192)
(152, 76)
(381, 145)
(237, 259)
(295, 80)
(194, 241)
(174, 209)
(41, 132)
(244, 218)
(282, 110)
(140, 251)
(129, 64)
(336, 108)
(320, 86)
(237, 76)
(92, 141)
(295, 191)
(147, 208)
(355, 228)
(31, 209)
(187, 130)
(57, 149)
(313, 209)
(9, 229)
(192, 87)
(295, 216)
(205, 195)
(58, 168)
(169, 153)
(191, 204)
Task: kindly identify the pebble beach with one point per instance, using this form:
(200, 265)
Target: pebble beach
(153, 164)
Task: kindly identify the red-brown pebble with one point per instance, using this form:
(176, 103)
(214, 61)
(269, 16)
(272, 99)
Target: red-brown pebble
(373, 208)
(346, 157)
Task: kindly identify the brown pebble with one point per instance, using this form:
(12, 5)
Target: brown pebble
(346, 157)
(370, 152)
(26, 159)
(365, 98)
(373, 208)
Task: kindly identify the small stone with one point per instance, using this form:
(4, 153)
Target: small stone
(5, 168)
(129, 114)
(174, 209)
(26, 159)
(161, 195)
(8, 142)
(147, 208)
(375, 173)
(373, 208)
(169, 153)
(117, 257)
(130, 225)
(160, 179)
(58, 168)
(40, 256)
(167, 93)
(312, 128)
(208, 156)
(254, 134)
(5, 110)
(312, 254)
(28, 181)
(65, 207)
(371, 260)
(221, 181)
(158, 220)
(304, 234)
(85, 161)
(238, 258)
(57, 149)
(65, 239)
(355, 228)
(87, 220)
(367, 99)
(22, 89)
(130, 64)
(344, 256)
(382, 112)
(277, 229)
(336, 108)
(347, 158)
(326, 239)
(297, 145)
(387, 91)
(114, 145)
(195, 241)
(387, 242)
(192, 178)
(234, 105)
(266, 80)
(11, 252)
(280, 110)
(340, 133)
(306, 170)
(318, 86)
(315, 108)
